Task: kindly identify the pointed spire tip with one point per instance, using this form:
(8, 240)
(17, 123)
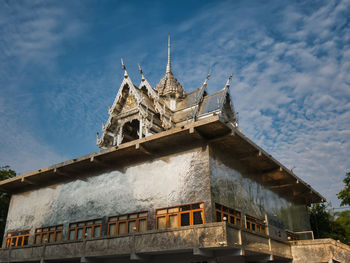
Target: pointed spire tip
(123, 66)
(122, 61)
(141, 72)
(206, 79)
(168, 67)
(229, 81)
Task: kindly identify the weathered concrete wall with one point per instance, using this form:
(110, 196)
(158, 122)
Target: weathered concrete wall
(320, 250)
(168, 181)
(233, 186)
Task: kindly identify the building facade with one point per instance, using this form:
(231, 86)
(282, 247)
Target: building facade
(175, 181)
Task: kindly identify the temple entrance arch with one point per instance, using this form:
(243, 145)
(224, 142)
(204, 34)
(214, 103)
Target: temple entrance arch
(131, 130)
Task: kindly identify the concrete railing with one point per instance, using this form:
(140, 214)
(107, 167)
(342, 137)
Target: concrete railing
(211, 240)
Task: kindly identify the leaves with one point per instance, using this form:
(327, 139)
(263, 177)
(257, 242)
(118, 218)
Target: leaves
(326, 224)
(344, 195)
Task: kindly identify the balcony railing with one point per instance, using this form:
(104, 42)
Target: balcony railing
(209, 240)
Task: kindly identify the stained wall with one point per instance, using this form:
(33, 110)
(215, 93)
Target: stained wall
(233, 185)
(168, 181)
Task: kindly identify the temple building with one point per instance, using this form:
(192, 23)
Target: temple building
(175, 181)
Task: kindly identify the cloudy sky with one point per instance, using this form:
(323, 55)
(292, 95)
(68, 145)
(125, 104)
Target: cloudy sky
(60, 69)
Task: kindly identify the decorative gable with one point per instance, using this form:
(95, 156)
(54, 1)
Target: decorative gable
(142, 111)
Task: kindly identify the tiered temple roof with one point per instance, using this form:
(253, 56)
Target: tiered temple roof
(142, 111)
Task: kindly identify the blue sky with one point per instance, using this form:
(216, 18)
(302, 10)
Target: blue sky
(60, 69)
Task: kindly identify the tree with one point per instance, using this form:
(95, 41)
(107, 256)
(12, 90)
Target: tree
(343, 219)
(324, 224)
(344, 195)
(5, 173)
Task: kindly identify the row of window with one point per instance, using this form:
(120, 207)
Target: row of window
(17, 239)
(177, 216)
(233, 216)
(170, 217)
(184, 215)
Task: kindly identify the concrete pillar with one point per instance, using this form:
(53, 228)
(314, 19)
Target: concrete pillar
(140, 129)
(119, 135)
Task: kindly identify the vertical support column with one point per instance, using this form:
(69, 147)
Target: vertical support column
(268, 231)
(119, 135)
(267, 225)
(115, 140)
(140, 129)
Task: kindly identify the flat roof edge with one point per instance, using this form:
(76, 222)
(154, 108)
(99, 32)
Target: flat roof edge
(284, 168)
(136, 143)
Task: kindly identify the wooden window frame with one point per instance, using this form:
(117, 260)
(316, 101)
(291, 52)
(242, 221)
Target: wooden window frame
(259, 224)
(17, 235)
(40, 232)
(118, 221)
(230, 212)
(179, 213)
(84, 227)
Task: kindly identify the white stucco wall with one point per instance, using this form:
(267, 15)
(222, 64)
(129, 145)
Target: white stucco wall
(169, 181)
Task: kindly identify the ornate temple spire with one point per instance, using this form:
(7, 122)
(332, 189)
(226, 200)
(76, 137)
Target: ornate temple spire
(169, 86)
(168, 66)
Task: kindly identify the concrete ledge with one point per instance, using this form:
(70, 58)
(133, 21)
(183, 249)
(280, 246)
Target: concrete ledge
(212, 239)
(319, 250)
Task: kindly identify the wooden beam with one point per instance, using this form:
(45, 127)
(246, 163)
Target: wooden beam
(56, 171)
(231, 133)
(142, 148)
(246, 156)
(273, 183)
(280, 186)
(93, 159)
(271, 175)
(25, 180)
(195, 132)
(67, 175)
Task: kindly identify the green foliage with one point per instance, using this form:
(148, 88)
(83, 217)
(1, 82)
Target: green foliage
(324, 223)
(343, 219)
(5, 173)
(344, 195)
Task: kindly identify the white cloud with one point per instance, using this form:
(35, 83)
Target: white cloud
(32, 36)
(291, 77)
(291, 86)
(20, 149)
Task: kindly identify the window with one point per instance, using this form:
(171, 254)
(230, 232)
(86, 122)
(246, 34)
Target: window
(124, 224)
(255, 224)
(17, 239)
(49, 234)
(184, 215)
(232, 216)
(87, 229)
